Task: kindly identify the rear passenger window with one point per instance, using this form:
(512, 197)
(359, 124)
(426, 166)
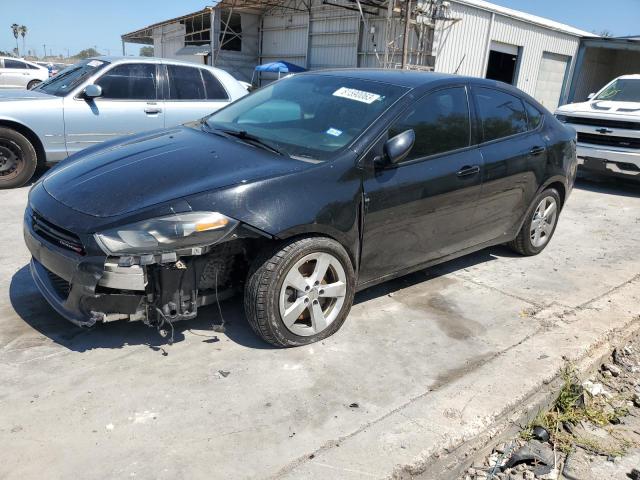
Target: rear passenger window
(14, 64)
(440, 121)
(534, 115)
(185, 83)
(501, 114)
(213, 87)
(129, 81)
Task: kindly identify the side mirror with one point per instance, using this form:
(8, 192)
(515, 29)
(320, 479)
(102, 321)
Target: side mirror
(397, 148)
(590, 96)
(92, 91)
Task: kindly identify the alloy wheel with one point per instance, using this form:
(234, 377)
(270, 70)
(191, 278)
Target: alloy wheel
(312, 293)
(543, 222)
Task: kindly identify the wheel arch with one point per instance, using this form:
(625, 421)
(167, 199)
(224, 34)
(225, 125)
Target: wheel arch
(560, 184)
(30, 135)
(318, 230)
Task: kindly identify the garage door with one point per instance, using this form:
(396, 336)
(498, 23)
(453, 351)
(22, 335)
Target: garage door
(551, 79)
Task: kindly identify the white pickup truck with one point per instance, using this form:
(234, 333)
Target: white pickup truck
(608, 127)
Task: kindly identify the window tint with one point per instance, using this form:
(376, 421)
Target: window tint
(501, 114)
(130, 81)
(440, 121)
(32, 67)
(8, 63)
(185, 83)
(535, 116)
(213, 87)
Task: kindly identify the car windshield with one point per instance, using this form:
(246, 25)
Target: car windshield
(311, 116)
(622, 90)
(71, 77)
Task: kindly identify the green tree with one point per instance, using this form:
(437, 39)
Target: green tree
(146, 52)
(87, 53)
(15, 28)
(23, 31)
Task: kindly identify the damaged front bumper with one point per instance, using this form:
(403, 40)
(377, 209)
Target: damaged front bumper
(69, 282)
(86, 287)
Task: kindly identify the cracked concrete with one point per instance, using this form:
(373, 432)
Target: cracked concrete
(434, 361)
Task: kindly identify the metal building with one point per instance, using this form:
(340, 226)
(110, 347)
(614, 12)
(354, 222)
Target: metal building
(470, 37)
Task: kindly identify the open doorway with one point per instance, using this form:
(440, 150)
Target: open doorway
(503, 63)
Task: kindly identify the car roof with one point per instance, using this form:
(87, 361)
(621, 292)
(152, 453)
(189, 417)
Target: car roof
(403, 78)
(114, 59)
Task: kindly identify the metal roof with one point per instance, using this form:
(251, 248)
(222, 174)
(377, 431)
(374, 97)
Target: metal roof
(526, 17)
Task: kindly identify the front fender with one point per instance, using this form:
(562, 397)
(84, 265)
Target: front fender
(320, 200)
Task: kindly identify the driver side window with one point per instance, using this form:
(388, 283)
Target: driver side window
(129, 81)
(440, 121)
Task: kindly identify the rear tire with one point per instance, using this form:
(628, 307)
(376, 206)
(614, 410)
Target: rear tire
(288, 299)
(33, 84)
(540, 225)
(18, 159)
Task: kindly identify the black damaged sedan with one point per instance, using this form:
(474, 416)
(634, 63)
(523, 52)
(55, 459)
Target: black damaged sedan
(298, 195)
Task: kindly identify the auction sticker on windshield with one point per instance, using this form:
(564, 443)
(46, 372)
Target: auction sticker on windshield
(357, 95)
(94, 63)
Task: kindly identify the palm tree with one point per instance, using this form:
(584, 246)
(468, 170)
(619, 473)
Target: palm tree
(23, 32)
(16, 32)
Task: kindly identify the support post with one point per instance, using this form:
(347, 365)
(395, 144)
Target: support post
(407, 30)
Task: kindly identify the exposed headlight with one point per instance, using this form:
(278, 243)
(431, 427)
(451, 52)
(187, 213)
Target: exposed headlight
(170, 233)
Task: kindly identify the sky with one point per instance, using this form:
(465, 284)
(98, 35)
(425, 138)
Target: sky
(72, 25)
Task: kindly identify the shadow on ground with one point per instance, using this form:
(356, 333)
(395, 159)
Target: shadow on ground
(29, 304)
(608, 185)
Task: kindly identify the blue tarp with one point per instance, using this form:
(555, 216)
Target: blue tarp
(280, 67)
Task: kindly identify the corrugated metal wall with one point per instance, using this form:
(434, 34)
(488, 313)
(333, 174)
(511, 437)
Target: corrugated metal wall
(600, 66)
(464, 43)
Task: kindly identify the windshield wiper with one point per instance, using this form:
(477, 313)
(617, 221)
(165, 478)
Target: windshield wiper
(252, 139)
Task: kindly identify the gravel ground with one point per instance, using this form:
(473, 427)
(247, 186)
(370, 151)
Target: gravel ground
(591, 432)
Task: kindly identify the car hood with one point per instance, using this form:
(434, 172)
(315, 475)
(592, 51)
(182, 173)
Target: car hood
(26, 95)
(137, 172)
(601, 108)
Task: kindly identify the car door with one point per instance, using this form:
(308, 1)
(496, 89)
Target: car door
(192, 93)
(514, 154)
(423, 208)
(15, 74)
(129, 104)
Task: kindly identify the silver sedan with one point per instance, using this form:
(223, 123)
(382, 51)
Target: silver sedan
(100, 99)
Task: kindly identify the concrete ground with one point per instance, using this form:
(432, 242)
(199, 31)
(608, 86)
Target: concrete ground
(423, 365)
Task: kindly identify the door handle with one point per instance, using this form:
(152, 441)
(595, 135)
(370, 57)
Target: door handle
(152, 110)
(468, 170)
(537, 151)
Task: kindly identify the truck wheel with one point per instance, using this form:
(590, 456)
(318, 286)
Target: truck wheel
(300, 293)
(18, 159)
(33, 84)
(538, 228)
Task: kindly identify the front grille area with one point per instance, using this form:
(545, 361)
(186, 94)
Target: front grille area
(56, 235)
(597, 122)
(60, 285)
(609, 141)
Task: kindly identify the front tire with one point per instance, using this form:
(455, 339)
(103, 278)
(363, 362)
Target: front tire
(300, 293)
(18, 159)
(540, 225)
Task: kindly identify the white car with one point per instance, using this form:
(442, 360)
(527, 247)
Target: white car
(608, 127)
(18, 73)
(100, 99)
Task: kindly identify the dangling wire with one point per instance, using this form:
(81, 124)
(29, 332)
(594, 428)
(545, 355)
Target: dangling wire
(218, 328)
(161, 331)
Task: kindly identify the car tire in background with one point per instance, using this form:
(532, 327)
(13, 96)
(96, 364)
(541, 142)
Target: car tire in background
(18, 159)
(299, 292)
(33, 84)
(540, 224)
